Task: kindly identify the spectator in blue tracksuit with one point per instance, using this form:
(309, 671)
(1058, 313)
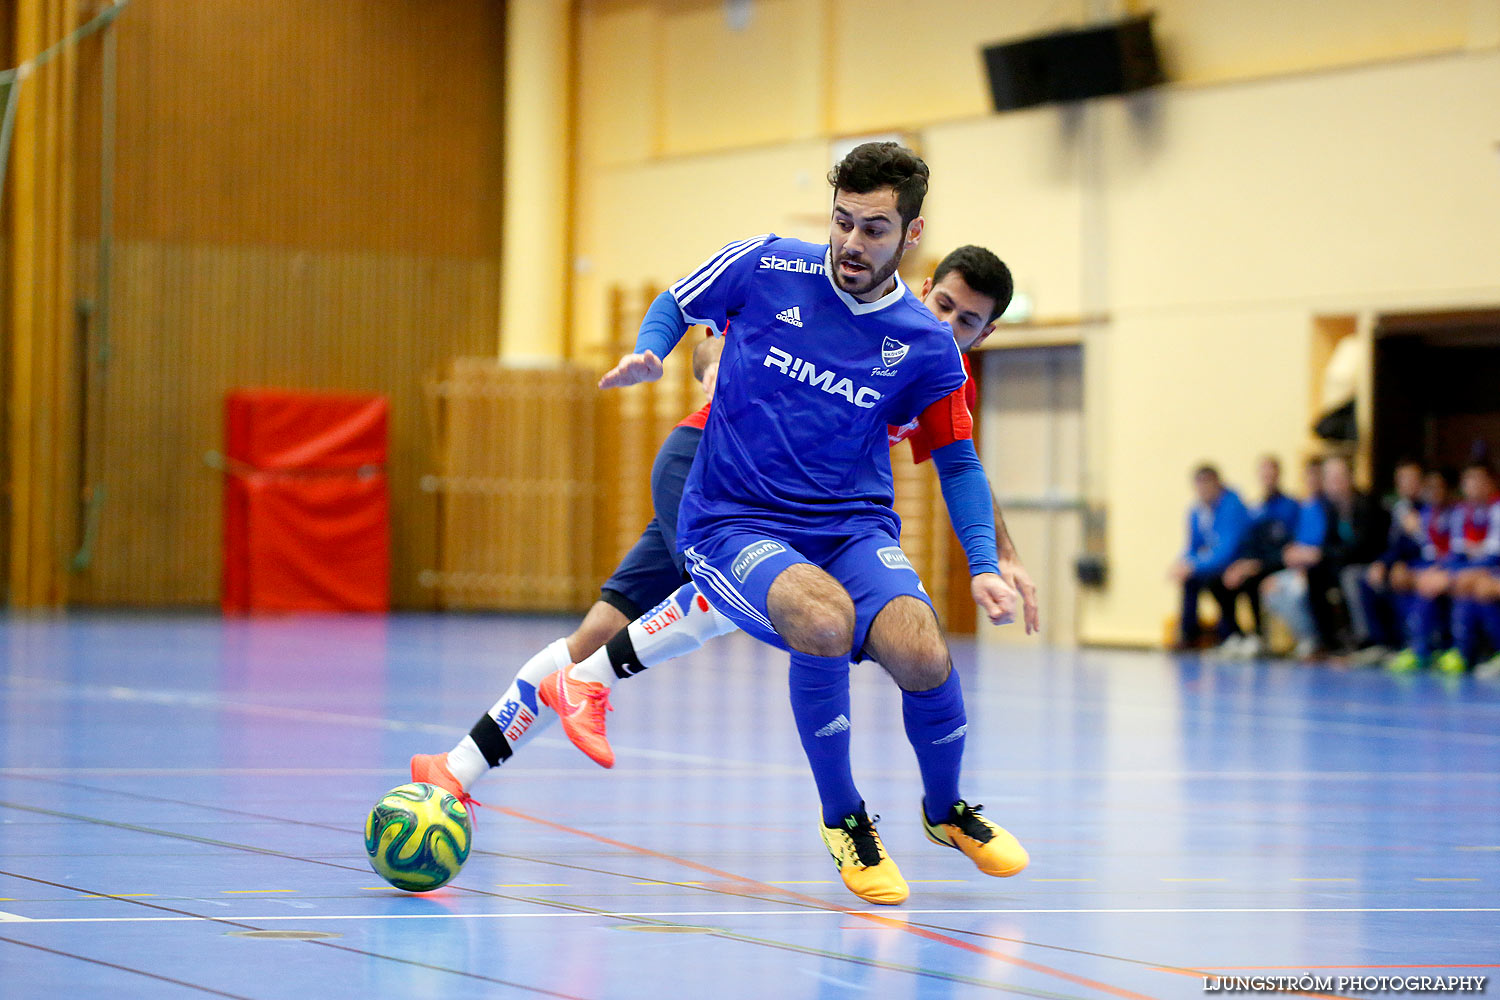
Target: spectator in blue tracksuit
(1285, 591)
(1217, 525)
(1272, 525)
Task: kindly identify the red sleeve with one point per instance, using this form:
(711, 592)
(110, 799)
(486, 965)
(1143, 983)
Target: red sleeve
(946, 421)
(697, 419)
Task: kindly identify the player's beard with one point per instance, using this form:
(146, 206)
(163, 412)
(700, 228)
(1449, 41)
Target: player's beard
(876, 279)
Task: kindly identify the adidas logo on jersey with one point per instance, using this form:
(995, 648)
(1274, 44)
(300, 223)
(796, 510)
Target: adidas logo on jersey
(805, 371)
(839, 725)
(792, 315)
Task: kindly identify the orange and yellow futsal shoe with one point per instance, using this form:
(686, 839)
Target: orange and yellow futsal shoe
(992, 849)
(432, 768)
(581, 706)
(866, 869)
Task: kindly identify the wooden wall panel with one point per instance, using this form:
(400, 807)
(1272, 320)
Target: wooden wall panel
(307, 195)
(336, 124)
(515, 487)
(190, 323)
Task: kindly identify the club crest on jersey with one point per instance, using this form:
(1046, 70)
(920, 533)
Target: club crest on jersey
(892, 351)
(800, 370)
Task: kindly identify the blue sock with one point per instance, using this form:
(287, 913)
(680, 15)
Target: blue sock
(1424, 622)
(935, 725)
(1466, 627)
(1489, 613)
(820, 704)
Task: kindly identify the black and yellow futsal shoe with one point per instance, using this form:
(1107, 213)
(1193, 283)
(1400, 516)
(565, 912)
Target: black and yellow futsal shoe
(992, 849)
(866, 869)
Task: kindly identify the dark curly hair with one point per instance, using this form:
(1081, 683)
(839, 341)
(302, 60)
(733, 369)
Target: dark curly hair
(981, 271)
(874, 165)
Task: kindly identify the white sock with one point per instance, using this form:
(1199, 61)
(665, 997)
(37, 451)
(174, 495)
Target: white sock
(519, 714)
(678, 626)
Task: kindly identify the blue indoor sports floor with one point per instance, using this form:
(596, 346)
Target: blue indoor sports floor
(182, 799)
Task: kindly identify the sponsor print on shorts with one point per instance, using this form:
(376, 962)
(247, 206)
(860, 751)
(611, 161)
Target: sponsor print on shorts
(753, 555)
(893, 558)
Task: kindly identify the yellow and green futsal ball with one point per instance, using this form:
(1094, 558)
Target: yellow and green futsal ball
(418, 837)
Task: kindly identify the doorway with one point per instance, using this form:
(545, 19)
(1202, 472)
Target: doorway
(1031, 443)
(1436, 390)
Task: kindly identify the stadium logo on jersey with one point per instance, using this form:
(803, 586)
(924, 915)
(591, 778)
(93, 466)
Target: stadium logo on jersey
(753, 555)
(839, 725)
(892, 351)
(792, 315)
(796, 265)
(893, 558)
(805, 371)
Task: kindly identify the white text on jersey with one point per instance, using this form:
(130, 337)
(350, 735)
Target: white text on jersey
(771, 262)
(805, 371)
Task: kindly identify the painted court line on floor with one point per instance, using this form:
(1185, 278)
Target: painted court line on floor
(802, 912)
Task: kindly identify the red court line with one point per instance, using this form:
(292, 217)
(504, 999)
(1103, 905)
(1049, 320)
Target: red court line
(762, 887)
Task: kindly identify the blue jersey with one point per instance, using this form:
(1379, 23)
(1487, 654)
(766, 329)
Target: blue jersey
(808, 383)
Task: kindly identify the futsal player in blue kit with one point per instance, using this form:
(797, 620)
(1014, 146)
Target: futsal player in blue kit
(787, 518)
(968, 291)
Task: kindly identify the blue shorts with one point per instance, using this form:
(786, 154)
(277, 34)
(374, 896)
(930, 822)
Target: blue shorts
(735, 564)
(653, 570)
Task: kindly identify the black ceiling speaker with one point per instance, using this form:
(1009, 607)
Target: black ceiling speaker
(1073, 65)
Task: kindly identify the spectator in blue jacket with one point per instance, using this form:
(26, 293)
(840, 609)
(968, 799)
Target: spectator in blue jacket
(1284, 592)
(1272, 524)
(1217, 525)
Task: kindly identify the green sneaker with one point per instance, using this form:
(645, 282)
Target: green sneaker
(1450, 661)
(1405, 661)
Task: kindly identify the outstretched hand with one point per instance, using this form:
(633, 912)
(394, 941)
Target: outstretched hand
(632, 370)
(1014, 574)
(996, 598)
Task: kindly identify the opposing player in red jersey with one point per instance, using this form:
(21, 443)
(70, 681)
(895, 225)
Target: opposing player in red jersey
(969, 290)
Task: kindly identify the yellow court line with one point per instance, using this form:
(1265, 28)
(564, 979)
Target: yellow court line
(247, 892)
(1447, 880)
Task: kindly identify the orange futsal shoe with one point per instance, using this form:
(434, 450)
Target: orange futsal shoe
(432, 768)
(581, 706)
(992, 848)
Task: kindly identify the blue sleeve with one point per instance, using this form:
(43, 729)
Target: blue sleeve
(966, 491)
(1312, 524)
(662, 328)
(1231, 521)
(715, 292)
